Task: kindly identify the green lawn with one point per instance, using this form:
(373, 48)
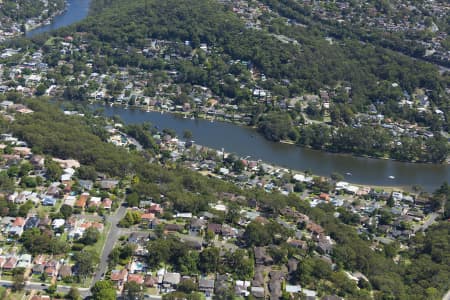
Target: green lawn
(98, 246)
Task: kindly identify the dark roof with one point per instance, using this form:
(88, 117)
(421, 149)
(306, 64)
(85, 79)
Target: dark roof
(31, 223)
(206, 283)
(65, 271)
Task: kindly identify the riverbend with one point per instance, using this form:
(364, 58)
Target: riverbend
(245, 141)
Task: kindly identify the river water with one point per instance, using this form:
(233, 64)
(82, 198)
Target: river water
(245, 141)
(76, 11)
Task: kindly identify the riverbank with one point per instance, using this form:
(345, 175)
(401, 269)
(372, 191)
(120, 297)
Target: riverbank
(47, 21)
(214, 118)
(245, 141)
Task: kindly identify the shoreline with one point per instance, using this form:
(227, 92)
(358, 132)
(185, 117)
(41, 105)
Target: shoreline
(203, 116)
(387, 188)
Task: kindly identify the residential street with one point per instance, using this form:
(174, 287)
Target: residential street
(111, 239)
(427, 223)
(446, 296)
(84, 292)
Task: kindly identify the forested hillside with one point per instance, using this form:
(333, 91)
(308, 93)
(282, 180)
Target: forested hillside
(308, 67)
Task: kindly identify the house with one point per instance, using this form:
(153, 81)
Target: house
(32, 222)
(228, 231)
(108, 184)
(70, 200)
(325, 197)
(82, 200)
(38, 161)
(94, 201)
(57, 223)
(10, 263)
(257, 292)
(261, 257)
(314, 228)
(172, 228)
(67, 163)
(214, 227)
(206, 286)
(15, 231)
(138, 278)
(49, 201)
(44, 222)
(293, 289)
(38, 269)
(147, 217)
(223, 283)
(51, 268)
(258, 279)
(24, 261)
(65, 271)
(40, 297)
(275, 284)
(2, 261)
(150, 281)
(298, 243)
(106, 203)
(19, 221)
(171, 279)
(53, 190)
(86, 185)
(156, 209)
(241, 288)
(119, 277)
(196, 226)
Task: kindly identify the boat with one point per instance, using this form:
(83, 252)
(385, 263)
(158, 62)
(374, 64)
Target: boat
(391, 177)
(348, 174)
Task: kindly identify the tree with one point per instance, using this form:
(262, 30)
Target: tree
(18, 279)
(90, 236)
(54, 171)
(275, 126)
(209, 259)
(40, 90)
(187, 286)
(87, 172)
(103, 290)
(131, 218)
(85, 262)
(74, 294)
(187, 134)
(66, 211)
(51, 289)
(133, 291)
(256, 234)
(133, 199)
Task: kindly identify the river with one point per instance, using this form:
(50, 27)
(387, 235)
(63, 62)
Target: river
(245, 141)
(76, 10)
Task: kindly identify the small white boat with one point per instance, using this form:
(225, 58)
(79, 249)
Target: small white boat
(391, 177)
(348, 174)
